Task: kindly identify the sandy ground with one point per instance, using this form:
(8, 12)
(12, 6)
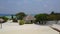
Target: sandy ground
(56, 26)
(26, 29)
(14, 28)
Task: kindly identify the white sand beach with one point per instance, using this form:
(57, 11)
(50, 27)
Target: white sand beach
(56, 26)
(14, 28)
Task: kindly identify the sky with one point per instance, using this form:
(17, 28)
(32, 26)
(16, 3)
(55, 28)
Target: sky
(29, 6)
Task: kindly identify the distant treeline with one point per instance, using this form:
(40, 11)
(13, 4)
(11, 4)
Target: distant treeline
(45, 17)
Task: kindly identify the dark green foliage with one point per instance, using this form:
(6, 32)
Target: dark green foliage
(41, 18)
(45, 17)
(20, 15)
(5, 18)
(52, 17)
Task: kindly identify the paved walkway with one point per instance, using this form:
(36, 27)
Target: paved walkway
(14, 28)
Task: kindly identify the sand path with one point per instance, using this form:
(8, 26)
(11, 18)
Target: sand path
(14, 28)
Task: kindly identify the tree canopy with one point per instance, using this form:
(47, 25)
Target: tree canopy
(20, 15)
(41, 17)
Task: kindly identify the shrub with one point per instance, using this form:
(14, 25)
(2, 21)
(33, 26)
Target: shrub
(5, 18)
(20, 15)
(15, 20)
(21, 22)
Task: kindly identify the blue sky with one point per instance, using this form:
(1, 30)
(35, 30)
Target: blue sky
(29, 6)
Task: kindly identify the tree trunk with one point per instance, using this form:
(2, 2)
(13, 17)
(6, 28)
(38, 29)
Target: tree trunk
(39, 22)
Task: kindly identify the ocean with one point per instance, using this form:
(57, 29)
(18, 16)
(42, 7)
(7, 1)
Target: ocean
(9, 15)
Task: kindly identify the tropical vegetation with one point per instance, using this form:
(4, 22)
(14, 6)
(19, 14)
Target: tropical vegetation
(21, 22)
(20, 15)
(42, 18)
(4, 18)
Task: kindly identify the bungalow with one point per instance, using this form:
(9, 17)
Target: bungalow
(29, 19)
(1, 20)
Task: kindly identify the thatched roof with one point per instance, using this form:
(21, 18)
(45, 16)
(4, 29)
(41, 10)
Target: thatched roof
(29, 17)
(1, 20)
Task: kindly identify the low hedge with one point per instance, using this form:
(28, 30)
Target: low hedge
(21, 22)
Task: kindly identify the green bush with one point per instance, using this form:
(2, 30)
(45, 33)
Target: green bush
(5, 18)
(21, 22)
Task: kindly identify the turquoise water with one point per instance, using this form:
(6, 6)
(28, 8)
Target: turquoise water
(10, 17)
